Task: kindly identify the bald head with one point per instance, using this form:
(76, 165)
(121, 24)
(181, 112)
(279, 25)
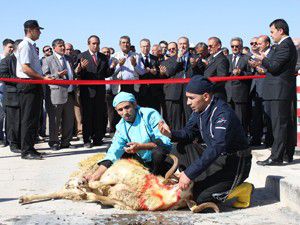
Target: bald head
(263, 42)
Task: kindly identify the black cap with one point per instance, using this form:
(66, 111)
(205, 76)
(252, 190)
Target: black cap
(32, 24)
(199, 85)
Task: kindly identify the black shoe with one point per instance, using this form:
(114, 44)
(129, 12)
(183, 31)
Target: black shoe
(269, 162)
(68, 146)
(288, 159)
(88, 145)
(15, 149)
(55, 147)
(97, 143)
(254, 143)
(32, 156)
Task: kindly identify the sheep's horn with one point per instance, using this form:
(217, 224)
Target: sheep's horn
(173, 168)
(198, 208)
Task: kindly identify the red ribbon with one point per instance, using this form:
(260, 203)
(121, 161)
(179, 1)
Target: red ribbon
(103, 82)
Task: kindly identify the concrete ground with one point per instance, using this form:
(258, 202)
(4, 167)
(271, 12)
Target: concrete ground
(274, 199)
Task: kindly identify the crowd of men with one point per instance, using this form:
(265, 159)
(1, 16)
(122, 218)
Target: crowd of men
(265, 107)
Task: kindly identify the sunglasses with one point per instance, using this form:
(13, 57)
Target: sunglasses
(234, 46)
(253, 43)
(48, 49)
(170, 49)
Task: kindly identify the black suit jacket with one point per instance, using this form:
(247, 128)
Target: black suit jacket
(280, 82)
(8, 70)
(177, 69)
(155, 90)
(218, 66)
(98, 71)
(238, 90)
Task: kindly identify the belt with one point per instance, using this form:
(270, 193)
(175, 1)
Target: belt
(240, 153)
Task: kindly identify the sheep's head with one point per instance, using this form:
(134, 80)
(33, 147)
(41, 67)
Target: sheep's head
(75, 183)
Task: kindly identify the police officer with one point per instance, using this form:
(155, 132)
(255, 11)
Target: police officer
(226, 161)
(137, 136)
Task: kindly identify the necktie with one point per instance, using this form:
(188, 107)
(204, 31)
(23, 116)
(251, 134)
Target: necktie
(234, 61)
(95, 59)
(146, 64)
(64, 65)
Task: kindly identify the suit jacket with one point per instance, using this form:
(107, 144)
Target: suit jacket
(238, 90)
(51, 66)
(98, 71)
(177, 69)
(218, 66)
(8, 70)
(257, 84)
(145, 89)
(280, 81)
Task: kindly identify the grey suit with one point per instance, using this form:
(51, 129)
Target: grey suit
(62, 112)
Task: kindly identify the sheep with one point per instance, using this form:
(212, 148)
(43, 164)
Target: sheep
(126, 185)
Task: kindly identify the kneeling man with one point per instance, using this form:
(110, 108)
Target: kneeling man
(137, 136)
(226, 161)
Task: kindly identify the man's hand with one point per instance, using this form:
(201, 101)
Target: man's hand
(133, 147)
(48, 78)
(260, 56)
(62, 73)
(254, 63)
(162, 70)
(122, 61)
(164, 129)
(133, 61)
(82, 65)
(184, 181)
(96, 175)
(260, 70)
(113, 64)
(236, 71)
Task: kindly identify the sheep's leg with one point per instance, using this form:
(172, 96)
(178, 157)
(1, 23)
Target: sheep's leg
(107, 201)
(64, 194)
(198, 208)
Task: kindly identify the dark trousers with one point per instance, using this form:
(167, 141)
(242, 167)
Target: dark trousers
(159, 165)
(13, 126)
(149, 101)
(30, 105)
(112, 115)
(93, 117)
(260, 116)
(242, 111)
(178, 113)
(283, 128)
(223, 174)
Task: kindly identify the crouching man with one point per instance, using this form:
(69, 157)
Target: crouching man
(226, 161)
(137, 136)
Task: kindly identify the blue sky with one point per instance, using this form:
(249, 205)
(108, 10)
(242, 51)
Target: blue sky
(157, 20)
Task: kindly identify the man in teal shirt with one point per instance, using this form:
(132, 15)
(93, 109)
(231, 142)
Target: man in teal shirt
(137, 136)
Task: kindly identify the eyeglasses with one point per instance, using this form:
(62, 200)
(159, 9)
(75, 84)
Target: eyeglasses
(234, 46)
(48, 49)
(69, 49)
(171, 49)
(211, 46)
(253, 43)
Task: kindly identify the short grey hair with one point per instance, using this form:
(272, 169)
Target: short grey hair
(183, 37)
(216, 39)
(237, 39)
(146, 40)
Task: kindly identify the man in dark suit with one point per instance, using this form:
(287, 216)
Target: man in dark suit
(279, 91)
(238, 90)
(147, 68)
(181, 65)
(218, 65)
(11, 101)
(93, 65)
(259, 112)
